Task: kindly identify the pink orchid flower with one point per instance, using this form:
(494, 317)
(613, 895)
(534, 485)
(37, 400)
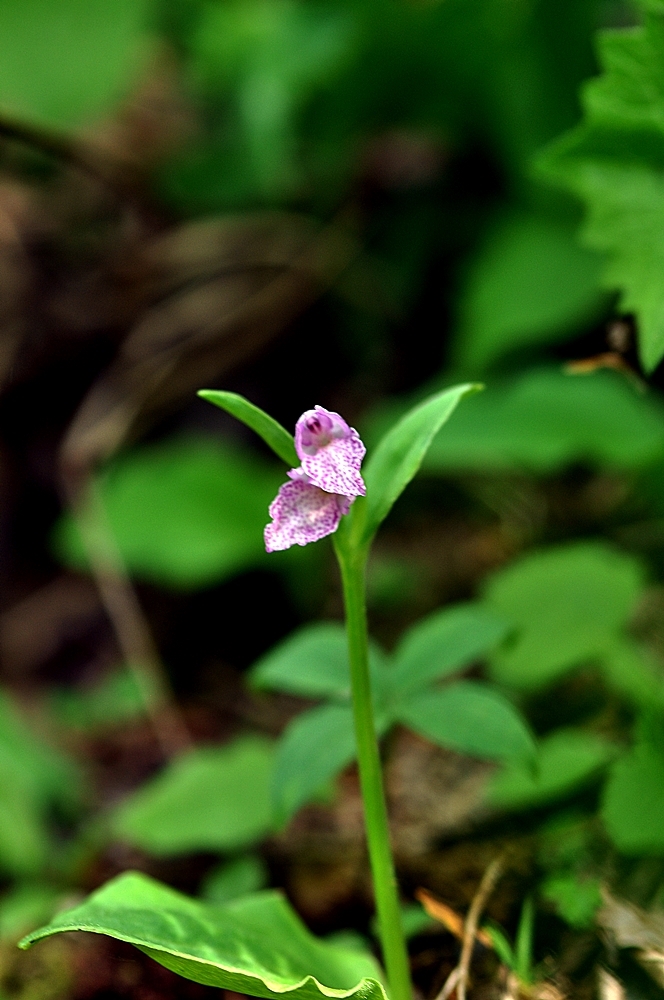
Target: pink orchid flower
(323, 487)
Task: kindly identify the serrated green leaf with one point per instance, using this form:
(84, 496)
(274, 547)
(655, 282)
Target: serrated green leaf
(566, 760)
(184, 513)
(633, 801)
(313, 663)
(270, 430)
(568, 604)
(613, 161)
(398, 456)
(444, 642)
(68, 62)
(529, 283)
(211, 799)
(544, 419)
(255, 945)
(471, 718)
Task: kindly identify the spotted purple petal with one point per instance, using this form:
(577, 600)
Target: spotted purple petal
(331, 452)
(303, 513)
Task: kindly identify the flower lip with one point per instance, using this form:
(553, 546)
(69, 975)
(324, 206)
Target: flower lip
(302, 513)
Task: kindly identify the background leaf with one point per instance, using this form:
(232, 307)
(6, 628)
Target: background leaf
(470, 718)
(314, 748)
(566, 760)
(69, 62)
(443, 642)
(275, 436)
(543, 420)
(185, 513)
(568, 604)
(313, 663)
(529, 283)
(633, 800)
(212, 799)
(255, 945)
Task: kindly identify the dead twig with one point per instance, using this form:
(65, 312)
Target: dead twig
(448, 917)
(458, 978)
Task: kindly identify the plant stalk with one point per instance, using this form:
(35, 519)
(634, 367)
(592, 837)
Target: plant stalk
(395, 955)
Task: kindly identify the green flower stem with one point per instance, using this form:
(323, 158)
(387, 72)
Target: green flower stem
(352, 563)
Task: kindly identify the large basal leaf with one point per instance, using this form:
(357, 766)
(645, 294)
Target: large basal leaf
(633, 801)
(313, 663)
(274, 435)
(529, 283)
(614, 161)
(256, 945)
(471, 718)
(544, 419)
(67, 62)
(442, 643)
(315, 747)
(185, 513)
(566, 760)
(568, 604)
(212, 799)
(398, 456)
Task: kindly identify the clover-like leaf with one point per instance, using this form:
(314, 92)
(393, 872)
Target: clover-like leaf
(471, 718)
(255, 945)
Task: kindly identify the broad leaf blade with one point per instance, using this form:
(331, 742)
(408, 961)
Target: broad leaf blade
(529, 283)
(471, 718)
(212, 799)
(444, 642)
(312, 663)
(185, 513)
(399, 455)
(68, 63)
(255, 945)
(275, 436)
(314, 748)
(633, 805)
(544, 419)
(568, 604)
(567, 760)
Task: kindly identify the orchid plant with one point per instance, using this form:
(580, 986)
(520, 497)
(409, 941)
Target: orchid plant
(256, 944)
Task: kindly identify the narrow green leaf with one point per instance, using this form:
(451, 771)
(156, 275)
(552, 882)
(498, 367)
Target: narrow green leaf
(312, 663)
(471, 718)
(633, 804)
(566, 761)
(313, 749)
(398, 456)
(442, 643)
(212, 799)
(255, 945)
(269, 429)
